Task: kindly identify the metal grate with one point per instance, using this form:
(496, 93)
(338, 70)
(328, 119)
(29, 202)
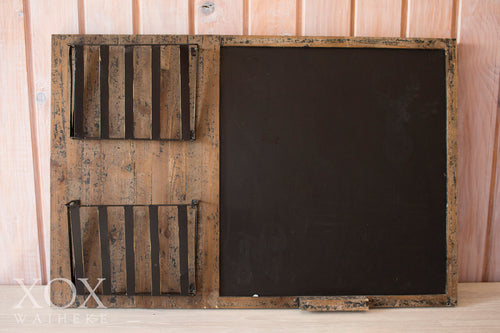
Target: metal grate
(186, 255)
(188, 59)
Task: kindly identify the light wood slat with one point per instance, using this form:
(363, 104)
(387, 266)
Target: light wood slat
(491, 269)
(110, 16)
(169, 168)
(18, 225)
(326, 18)
(272, 17)
(163, 17)
(45, 21)
(430, 18)
(142, 171)
(378, 18)
(226, 18)
(479, 69)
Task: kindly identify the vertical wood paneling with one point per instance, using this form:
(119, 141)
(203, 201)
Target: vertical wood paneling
(18, 227)
(479, 171)
(226, 17)
(272, 17)
(163, 17)
(326, 18)
(108, 17)
(491, 269)
(44, 22)
(478, 69)
(430, 18)
(378, 18)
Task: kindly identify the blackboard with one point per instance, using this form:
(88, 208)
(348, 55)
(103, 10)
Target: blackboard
(333, 171)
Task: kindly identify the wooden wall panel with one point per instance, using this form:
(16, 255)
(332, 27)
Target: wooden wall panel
(163, 16)
(19, 244)
(225, 17)
(377, 18)
(106, 17)
(272, 17)
(326, 18)
(492, 248)
(44, 22)
(25, 185)
(478, 69)
(430, 18)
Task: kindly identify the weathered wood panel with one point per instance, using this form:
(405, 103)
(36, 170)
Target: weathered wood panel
(73, 179)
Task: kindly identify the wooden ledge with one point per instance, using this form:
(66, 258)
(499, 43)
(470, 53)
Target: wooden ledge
(334, 303)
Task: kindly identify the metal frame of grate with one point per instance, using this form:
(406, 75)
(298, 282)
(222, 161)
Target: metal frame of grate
(187, 53)
(77, 257)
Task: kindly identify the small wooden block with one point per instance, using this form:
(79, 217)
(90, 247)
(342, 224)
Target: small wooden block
(333, 303)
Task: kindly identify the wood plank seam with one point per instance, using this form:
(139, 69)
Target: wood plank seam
(34, 141)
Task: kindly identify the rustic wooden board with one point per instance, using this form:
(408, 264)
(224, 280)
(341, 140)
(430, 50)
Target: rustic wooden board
(334, 303)
(102, 172)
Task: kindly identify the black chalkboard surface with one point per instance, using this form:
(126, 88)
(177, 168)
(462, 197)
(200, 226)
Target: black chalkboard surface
(332, 171)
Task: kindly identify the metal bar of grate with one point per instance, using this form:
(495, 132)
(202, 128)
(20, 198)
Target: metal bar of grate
(129, 249)
(155, 91)
(78, 89)
(129, 92)
(183, 249)
(185, 98)
(105, 258)
(76, 241)
(155, 250)
(104, 89)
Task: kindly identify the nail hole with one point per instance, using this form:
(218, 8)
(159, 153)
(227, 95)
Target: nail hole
(208, 8)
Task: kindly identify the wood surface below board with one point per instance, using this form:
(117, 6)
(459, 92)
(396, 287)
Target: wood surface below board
(477, 311)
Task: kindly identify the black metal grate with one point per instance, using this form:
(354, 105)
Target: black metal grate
(188, 58)
(186, 287)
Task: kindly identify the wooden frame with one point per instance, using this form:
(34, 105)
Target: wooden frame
(88, 170)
